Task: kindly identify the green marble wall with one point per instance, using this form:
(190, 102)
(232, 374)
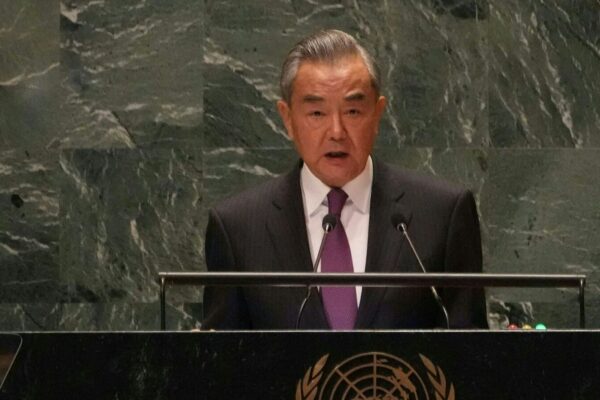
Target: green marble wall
(121, 122)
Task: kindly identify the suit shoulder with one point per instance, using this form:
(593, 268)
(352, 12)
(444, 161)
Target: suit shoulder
(424, 184)
(256, 203)
(252, 197)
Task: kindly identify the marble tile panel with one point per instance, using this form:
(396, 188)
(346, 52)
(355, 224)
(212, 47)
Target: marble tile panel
(131, 72)
(542, 211)
(544, 73)
(28, 116)
(29, 227)
(541, 215)
(125, 215)
(28, 40)
(29, 63)
(237, 115)
(433, 58)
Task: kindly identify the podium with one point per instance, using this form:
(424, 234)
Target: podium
(301, 365)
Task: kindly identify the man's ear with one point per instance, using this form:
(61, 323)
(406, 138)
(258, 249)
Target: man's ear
(380, 107)
(286, 116)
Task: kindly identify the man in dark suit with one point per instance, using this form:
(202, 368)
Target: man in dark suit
(331, 107)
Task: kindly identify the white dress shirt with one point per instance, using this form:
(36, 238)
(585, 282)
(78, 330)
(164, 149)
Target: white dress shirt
(355, 214)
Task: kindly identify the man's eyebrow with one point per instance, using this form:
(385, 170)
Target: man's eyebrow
(311, 98)
(358, 96)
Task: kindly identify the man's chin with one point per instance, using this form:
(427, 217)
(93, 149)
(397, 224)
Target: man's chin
(335, 171)
(337, 178)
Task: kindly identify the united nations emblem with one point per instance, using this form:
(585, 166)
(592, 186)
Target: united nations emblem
(374, 376)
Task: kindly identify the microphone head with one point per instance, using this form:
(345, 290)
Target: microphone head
(398, 219)
(329, 222)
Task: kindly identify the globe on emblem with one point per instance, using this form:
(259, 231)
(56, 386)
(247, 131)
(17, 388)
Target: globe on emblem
(373, 376)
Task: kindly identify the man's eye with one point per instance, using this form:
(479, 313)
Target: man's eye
(316, 113)
(353, 111)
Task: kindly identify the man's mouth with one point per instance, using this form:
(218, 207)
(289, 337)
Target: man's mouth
(336, 154)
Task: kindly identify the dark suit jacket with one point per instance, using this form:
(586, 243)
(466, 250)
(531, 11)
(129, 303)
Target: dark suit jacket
(263, 229)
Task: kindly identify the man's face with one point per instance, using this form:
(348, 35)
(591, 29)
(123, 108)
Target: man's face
(333, 118)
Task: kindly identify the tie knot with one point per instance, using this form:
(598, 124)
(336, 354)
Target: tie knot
(336, 199)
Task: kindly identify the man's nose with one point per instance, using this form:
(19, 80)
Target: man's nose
(337, 129)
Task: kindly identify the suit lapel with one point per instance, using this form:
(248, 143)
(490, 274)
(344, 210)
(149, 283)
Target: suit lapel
(384, 242)
(286, 225)
(287, 230)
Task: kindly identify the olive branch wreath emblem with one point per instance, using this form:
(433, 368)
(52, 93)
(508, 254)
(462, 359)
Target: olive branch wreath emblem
(438, 380)
(308, 387)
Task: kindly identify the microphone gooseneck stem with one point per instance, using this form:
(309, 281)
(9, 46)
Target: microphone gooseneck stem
(402, 227)
(327, 227)
(410, 243)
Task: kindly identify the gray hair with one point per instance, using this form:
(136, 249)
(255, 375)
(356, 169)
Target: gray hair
(325, 46)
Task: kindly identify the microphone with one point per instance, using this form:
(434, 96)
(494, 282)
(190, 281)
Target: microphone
(399, 222)
(328, 224)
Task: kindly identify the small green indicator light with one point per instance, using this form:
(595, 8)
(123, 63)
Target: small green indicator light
(540, 327)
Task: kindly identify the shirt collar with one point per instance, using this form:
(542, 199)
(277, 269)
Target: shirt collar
(358, 189)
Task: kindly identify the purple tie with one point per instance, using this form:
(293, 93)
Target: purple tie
(339, 302)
